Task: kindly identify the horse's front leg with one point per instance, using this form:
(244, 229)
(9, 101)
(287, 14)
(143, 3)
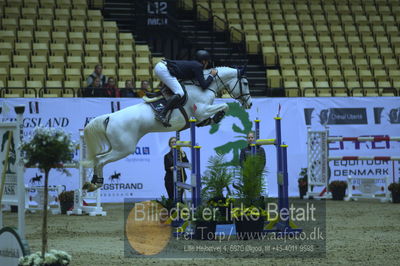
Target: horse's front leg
(97, 179)
(206, 111)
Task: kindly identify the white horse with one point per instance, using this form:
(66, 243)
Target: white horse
(111, 137)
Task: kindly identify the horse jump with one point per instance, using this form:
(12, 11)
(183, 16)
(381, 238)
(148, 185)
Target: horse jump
(12, 179)
(195, 185)
(36, 200)
(81, 196)
(318, 161)
(282, 227)
(368, 188)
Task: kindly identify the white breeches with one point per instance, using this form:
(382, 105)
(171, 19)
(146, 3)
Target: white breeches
(163, 74)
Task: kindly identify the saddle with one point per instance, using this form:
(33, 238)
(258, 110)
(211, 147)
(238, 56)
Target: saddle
(158, 100)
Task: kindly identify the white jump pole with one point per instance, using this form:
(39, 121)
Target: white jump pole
(20, 173)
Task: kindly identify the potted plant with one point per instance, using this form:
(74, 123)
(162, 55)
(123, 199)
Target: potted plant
(249, 222)
(395, 189)
(66, 199)
(249, 217)
(49, 148)
(167, 204)
(303, 182)
(53, 257)
(205, 222)
(338, 189)
(215, 185)
(224, 209)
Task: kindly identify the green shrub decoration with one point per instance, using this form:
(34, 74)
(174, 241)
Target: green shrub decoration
(394, 187)
(217, 178)
(250, 183)
(337, 185)
(66, 196)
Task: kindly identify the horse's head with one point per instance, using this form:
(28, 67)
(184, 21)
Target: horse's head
(235, 82)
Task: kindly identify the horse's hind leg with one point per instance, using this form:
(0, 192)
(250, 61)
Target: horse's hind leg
(119, 147)
(111, 156)
(103, 159)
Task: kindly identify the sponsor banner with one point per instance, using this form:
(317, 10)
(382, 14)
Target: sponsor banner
(12, 247)
(8, 137)
(339, 116)
(141, 174)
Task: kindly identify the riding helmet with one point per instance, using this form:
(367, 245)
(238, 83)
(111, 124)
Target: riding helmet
(203, 55)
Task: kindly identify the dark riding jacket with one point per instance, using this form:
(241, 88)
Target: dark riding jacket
(188, 70)
(246, 152)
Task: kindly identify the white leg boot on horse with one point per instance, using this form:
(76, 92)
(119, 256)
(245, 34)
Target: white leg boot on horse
(114, 136)
(97, 180)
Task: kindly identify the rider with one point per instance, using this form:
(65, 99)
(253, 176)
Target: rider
(169, 71)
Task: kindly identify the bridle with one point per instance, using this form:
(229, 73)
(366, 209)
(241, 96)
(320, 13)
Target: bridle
(243, 96)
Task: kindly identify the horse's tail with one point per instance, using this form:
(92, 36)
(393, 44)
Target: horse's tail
(95, 139)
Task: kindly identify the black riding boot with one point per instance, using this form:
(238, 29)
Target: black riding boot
(171, 103)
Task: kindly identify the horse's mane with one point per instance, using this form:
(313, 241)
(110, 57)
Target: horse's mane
(220, 68)
(222, 71)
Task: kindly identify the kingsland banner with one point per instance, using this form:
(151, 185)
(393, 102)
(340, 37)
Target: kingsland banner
(141, 174)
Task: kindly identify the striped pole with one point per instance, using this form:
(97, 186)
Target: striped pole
(193, 159)
(257, 132)
(197, 188)
(284, 184)
(175, 172)
(187, 144)
(265, 142)
(256, 136)
(280, 165)
(193, 143)
(375, 158)
(373, 139)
